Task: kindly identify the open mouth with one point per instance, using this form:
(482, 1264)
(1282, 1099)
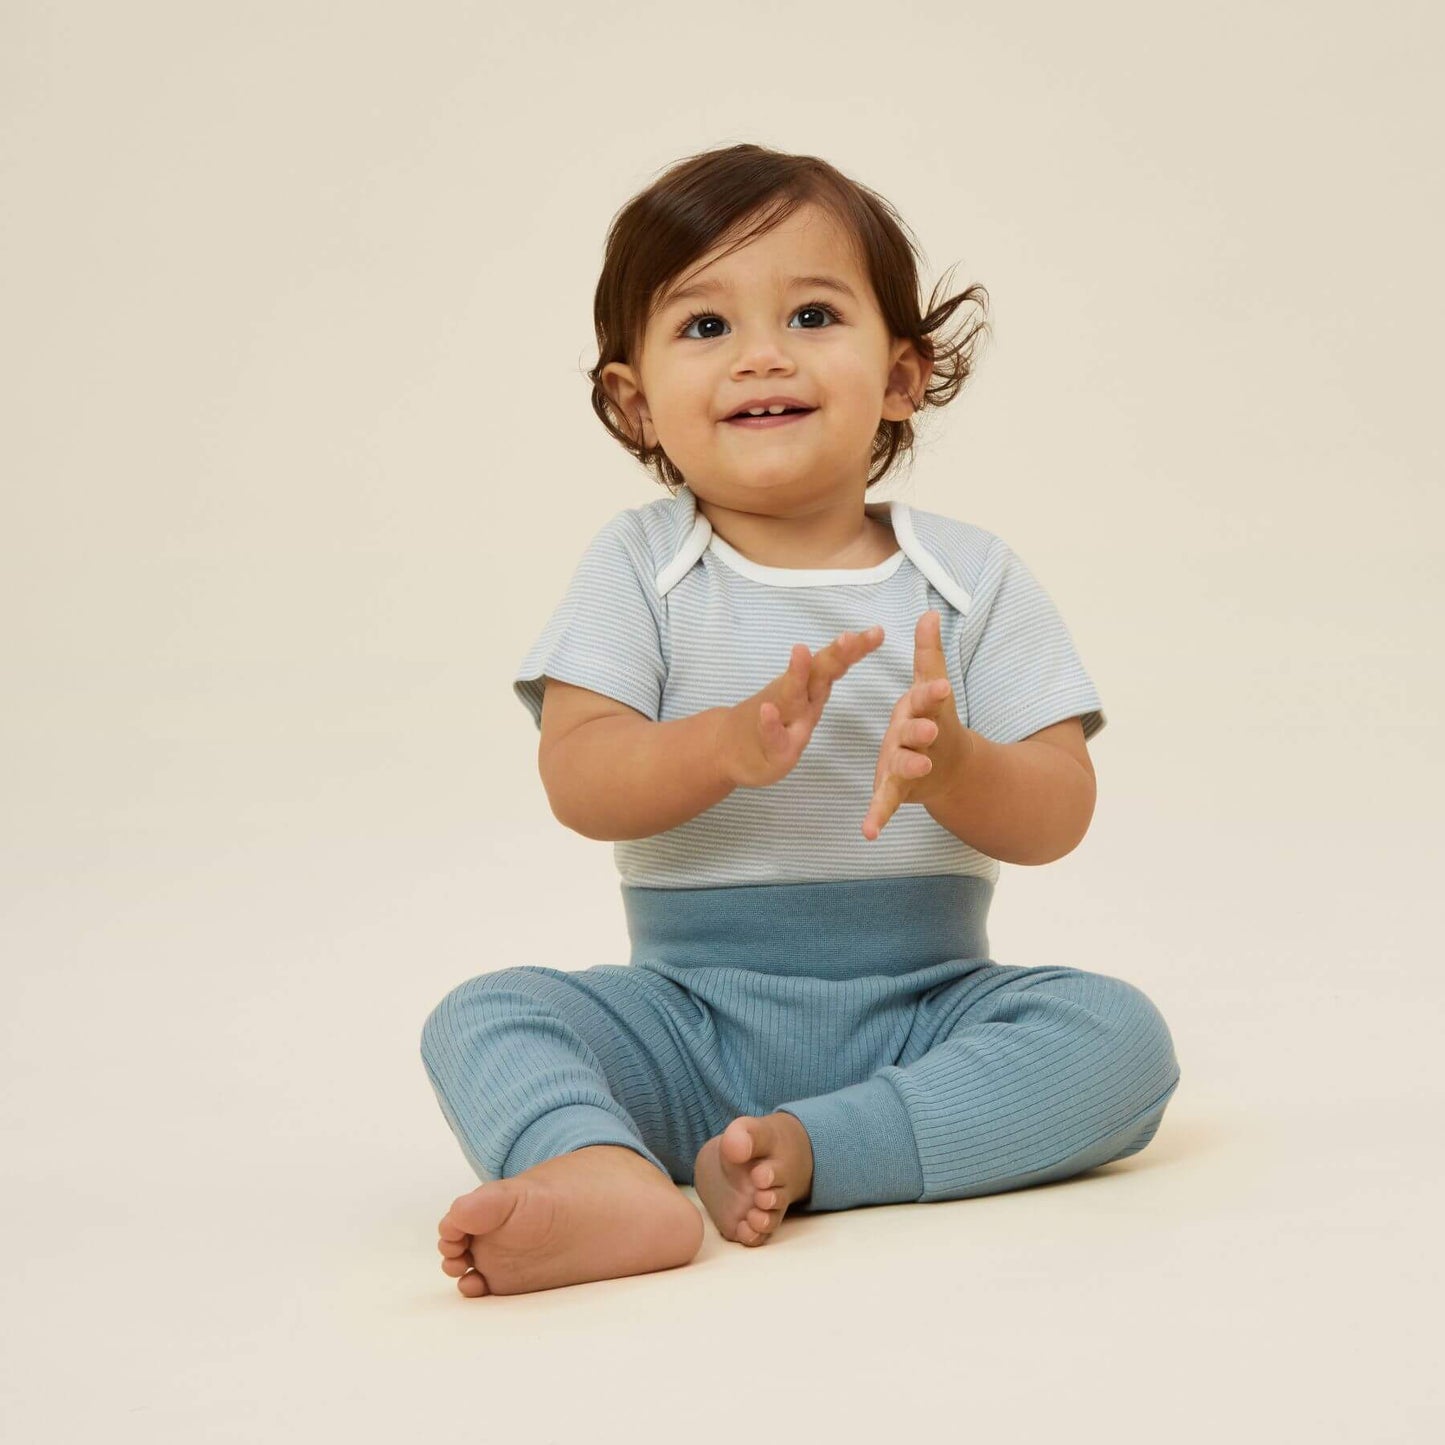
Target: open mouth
(783, 418)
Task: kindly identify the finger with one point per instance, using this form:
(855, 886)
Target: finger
(919, 732)
(881, 809)
(796, 675)
(830, 662)
(928, 658)
(923, 699)
(844, 650)
(820, 677)
(905, 763)
(770, 726)
(927, 697)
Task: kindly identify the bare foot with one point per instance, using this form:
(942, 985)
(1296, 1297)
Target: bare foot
(596, 1213)
(748, 1175)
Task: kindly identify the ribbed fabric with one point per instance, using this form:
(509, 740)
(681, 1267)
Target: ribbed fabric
(921, 1069)
(894, 926)
(665, 617)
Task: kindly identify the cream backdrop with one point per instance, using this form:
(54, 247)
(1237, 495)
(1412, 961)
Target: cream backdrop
(297, 458)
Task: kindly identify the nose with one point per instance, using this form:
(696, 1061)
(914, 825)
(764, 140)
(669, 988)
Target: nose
(760, 353)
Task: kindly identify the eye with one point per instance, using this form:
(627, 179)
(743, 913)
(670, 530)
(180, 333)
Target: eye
(713, 316)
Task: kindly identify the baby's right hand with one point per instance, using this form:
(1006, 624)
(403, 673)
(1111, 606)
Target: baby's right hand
(764, 735)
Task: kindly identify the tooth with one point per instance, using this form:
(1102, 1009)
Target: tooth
(776, 410)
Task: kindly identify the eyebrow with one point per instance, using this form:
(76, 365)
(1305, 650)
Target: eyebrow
(714, 288)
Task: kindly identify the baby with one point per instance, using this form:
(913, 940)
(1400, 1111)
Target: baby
(809, 1020)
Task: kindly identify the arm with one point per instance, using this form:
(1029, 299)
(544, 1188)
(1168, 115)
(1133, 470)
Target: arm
(1026, 802)
(618, 774)
(628, 777)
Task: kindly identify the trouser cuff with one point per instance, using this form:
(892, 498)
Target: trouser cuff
(863, 1147)
(573, 1126)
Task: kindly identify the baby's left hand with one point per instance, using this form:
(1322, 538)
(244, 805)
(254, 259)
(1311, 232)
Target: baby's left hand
(926, 748)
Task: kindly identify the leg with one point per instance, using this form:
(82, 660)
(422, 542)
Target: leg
(1016, 1077)
(531, 1063)
(526, 1064)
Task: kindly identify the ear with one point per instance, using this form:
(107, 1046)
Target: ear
(907, 378)
(622, 386)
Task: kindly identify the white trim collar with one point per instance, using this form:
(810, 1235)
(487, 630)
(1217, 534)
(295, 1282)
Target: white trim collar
(699, 537)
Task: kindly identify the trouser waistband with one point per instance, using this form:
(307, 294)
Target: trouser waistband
(835, 930)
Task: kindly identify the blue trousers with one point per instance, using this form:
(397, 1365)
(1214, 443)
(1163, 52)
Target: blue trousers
(869, 1010)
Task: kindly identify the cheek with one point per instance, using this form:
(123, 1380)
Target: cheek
(858, 402)
(854, 377)
(685, 429)
(679, 410)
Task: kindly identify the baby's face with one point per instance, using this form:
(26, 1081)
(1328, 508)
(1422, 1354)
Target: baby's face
(763, 332)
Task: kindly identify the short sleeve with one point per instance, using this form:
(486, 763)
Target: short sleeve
(1020, 669)
(606, 632)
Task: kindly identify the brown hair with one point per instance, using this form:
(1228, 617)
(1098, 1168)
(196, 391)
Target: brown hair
(698, 202)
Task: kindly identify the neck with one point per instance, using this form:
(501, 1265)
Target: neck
(838, 533)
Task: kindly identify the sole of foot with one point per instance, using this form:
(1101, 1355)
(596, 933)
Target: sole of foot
(597, 1213)
(748, 1175)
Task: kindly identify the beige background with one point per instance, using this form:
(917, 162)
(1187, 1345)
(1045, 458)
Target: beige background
(297, 459)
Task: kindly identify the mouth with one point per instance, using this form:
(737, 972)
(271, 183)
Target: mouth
(761, 423)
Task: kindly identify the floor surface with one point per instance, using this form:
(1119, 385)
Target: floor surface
(226, 1166)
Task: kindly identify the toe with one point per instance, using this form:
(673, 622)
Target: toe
(455, 1248)
(762, 1199)
(746, 1234)
(472, 1285)
(456, 1267)
(764, 1176)
(760, 1220)
(483, 1210)
(737, 1142)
